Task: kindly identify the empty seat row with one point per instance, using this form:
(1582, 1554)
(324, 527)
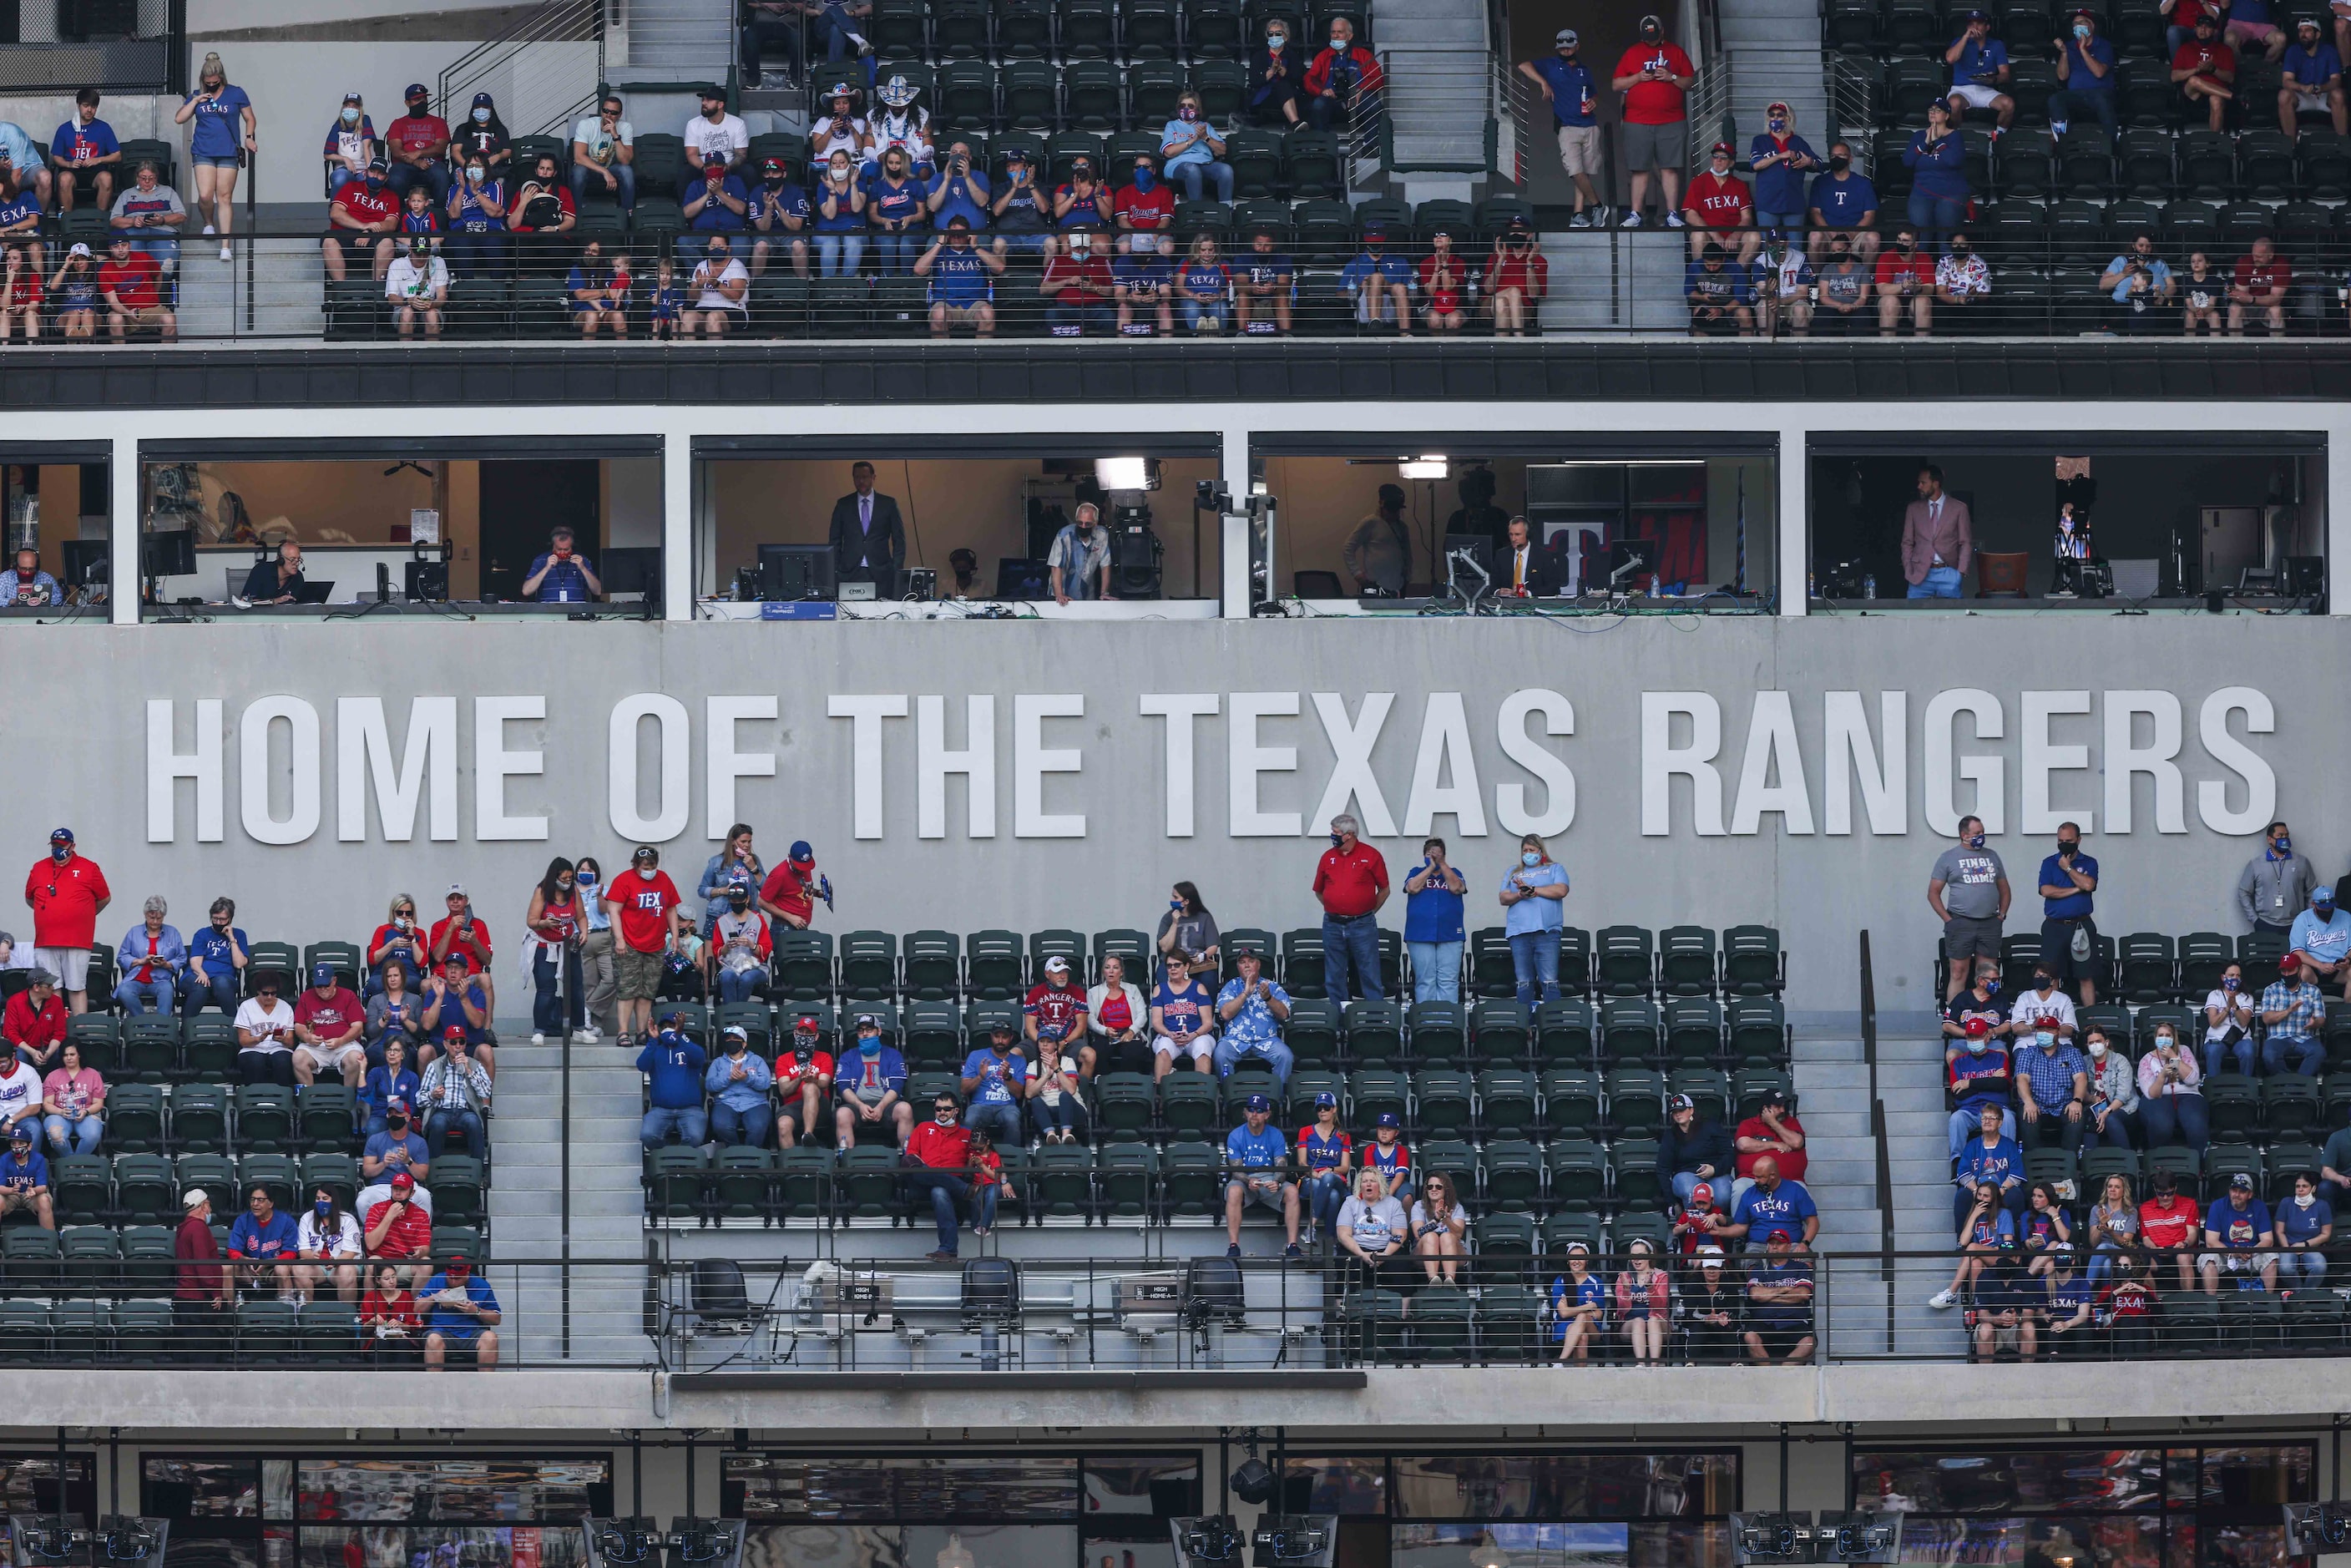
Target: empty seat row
(1135, 29)
(2142, 164)
(140, 1118)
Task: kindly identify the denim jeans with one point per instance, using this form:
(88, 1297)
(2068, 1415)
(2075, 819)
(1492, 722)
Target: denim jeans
(2071, 104)
(1070, 1114)
(196, 994)
(624, 175)
(2220, 1055)
(433, 177)
(2308, 1056)
(838, 254)
(1199, 310)
(1791, 224)
(140, 997)
(1325, 1195)
(2102, 1262)
(839, 31)
(740, 985)
(1218, 177)
(1941, 582)
(467, 1125)
(692, 1127)
(748, 1125)
(896, 250)
(2297, 1265)
(1272, 1051)
(2176, 1119)
(1437, 971)
(547, 1008)
(76, 1135)
(471, 255)
(948, 1193)
(1351, 947)
(1967, 1124)
(1534, 956)
(999, 1121)
(1936, 216)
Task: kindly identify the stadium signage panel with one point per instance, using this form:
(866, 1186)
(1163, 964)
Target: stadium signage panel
(292, 769)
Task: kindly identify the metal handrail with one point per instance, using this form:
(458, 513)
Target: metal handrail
(1884, 1166)
(555, 21)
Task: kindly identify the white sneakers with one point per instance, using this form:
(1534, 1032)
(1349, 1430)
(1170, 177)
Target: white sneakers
(586, 1036)
(1943, 1299)
(539, 1037)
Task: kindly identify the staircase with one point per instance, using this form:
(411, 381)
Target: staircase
(287, 287)
(1833, 1098)
(1606, 280)
(680, 40)
(607, 1197)
(1774, 47)
(1439, 66)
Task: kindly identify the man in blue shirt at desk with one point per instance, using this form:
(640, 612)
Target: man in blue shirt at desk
(562, 576)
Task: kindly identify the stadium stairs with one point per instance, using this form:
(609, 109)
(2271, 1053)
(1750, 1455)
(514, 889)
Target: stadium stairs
(1774, 47)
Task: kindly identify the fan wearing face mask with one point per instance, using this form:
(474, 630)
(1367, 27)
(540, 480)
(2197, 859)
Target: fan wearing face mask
(351, 145)
(1656, 76)
(1968, 891)
(1342, 85)
(1275, 73)
(1975, 1068)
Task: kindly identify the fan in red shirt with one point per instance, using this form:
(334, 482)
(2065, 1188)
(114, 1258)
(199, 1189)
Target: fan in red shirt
(1144, 207)
(358, 225)
(2204, 67)
(398, 1228)
(66, 891)
(1773, 1130)
(2170, 1223)
(1720, 202)
(941, 1150)
(460, 933)
(1056, 1009)
(803, 1083)
(1517, 277)
(21, 296)
(128, 283)
(1906, 274)
(1655, 76)
(1443, 280)
(2261, 282)
(790, 892)
(418, 141)
(35, 1022)
(1078, 288)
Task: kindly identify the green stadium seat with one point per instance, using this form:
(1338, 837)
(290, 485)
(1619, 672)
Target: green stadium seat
(81, 1189)
(266, 1333)
(1577, 1169)
(995, 965)
(1632, 1175)
(1693, 1031)
(1758, 1030)
(134, 1118)
(1507, 1101)
(1313, 1031)
(1192, 1179)
(31, 1262)
(1571, 1099)
(1302, 962)
(265, 1118)
(145, 1191)
(1445, 1097)
(869, 965)
(91, 1255)
(81, 1333)
(1126, 1104)
(1126, 1181)
(1623, 959)
(282, 1179)
(149, 1266)
(868, 1181)
(741, 1180)
(1374, 1092)
(803, 1182)
(1492, 972)
(1563, 1033)
(1514, 1175)
(1631, 1033)
(1503, 1030)
(329, 1335)
(1440, 1325)
(676, 1174)
(1061, 1181)
(1375, 1030)
(1686, 961)
(1437, 1033)
(337, 1173)
(1753, 963)
(1188, 1106)
(933, 964)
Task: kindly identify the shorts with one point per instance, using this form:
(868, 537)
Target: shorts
(1779, 1341)
(1264, 1189)
(70, 965)
(2058, 948)
(1199, 1048)
(1579, 150)
(231, 160)
(2006, 1338)
(963, 315)
(2248, 31)
(358, 245)
(637, 976)
(2236, 1262)
(1971, 936)
(1975, 95)
(1648, 147)
(323, 1056)
(2310, 101)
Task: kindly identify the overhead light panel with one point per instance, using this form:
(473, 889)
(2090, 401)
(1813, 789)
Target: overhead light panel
(1427, 467)
(1126, 474)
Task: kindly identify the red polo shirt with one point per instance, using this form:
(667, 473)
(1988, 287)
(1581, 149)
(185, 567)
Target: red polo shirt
(1349, 881)
(1721, 201)
(65, 900)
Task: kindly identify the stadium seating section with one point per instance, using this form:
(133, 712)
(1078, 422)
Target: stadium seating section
(1549, 1114)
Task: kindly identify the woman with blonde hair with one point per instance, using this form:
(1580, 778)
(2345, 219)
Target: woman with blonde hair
(218, 147)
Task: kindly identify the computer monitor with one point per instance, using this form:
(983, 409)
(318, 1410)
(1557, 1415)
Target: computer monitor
(632, 568)
(309, 591)
(169, 553)
(86, 561)
(1630, 561)
(1018, 576)
(790, 572)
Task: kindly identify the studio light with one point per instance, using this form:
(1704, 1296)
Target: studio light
(1253, 1480)
(2315, 1527)
(1126, 473)
(1429, 465)
(1861, 1538)
(1772, 1537)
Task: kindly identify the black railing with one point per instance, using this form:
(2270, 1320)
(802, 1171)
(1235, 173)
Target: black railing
(115, 46)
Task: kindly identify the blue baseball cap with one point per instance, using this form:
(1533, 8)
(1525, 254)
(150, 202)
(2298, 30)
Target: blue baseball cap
(1326, 1101)
(322, 974)
(2322, 894)
(61, 835)
(1258, 1102)
(417, 89)
(800, 853)
(1389, 1119)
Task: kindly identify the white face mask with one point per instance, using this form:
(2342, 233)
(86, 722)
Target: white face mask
(2097, 1048)
(646, 871)
(2304, 1199)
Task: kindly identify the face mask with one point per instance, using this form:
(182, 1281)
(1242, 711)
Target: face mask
(2097, 1048)
(945, 1118)
(474, 172)
(2228, 983)
(1335, 839)
(870, 1044)
(841, 171)
(324, 1206)
(1976, 843)
(395, 1123)
(2081, 29)
(1338, 43)
(1959, 250)
(2304, 1199)
(2164, 1042)
(59, 852)
(1528, 858)
(1840, 164)
(2283, 848)
(350, 117)
(1187, 112)
(481, 116)
(646, 872)
(1979, 1043)
(2044, 1040)
(1992, 986)
(2066, 847)
(1276, 41)
(774, 181)
(2042, 982)
(1778, 123)
(1143, 178)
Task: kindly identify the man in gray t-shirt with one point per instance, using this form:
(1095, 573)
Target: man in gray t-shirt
(1968, 891)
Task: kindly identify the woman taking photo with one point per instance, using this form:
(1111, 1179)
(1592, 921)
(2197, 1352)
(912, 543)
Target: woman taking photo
(737, 862)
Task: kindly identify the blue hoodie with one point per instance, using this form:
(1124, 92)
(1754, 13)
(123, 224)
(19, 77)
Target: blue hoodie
(674, 1064)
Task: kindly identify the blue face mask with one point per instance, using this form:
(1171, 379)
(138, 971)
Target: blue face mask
(2283, 848)
(871, 1045)
(481, 116)
(1976, 843)
(324, 1206)
(1144, 178)
(59, 852)
(1335, 842)
(1992, 986)
(1528, 858)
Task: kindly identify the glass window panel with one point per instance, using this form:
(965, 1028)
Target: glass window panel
(277, 1488)
(2181, 1475)
(2018, 1482)
(916, 1546)
(198, 1490)
(1143, 1550)
(28, 1484)
(1680, 1545)
(2259, 1477)
(990, 1545)
(1009, 1488)
(441, 1546)
(457, 1492)
(1511, 1545)
(2243, 1545)
(1567, 1486)
(1354, 1486)
(1141, 1486)
(824, 1546)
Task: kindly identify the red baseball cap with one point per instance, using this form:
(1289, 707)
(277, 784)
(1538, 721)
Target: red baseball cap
(1975, 1027)
(403, 1182)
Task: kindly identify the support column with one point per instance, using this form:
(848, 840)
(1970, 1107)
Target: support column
(1233, 551)
(2338, 532)
(122, 532)
(1794, 561)
(678, 526)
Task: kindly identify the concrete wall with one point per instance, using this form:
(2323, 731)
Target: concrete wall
(1079, 831)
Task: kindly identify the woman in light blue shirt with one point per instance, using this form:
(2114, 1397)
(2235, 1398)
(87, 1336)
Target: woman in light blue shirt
(736, 862)
(1190, 149)
(1432, 926)
(1534, 892)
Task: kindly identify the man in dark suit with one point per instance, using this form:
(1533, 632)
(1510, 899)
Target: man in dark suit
(868, 539)
(1525, 566)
